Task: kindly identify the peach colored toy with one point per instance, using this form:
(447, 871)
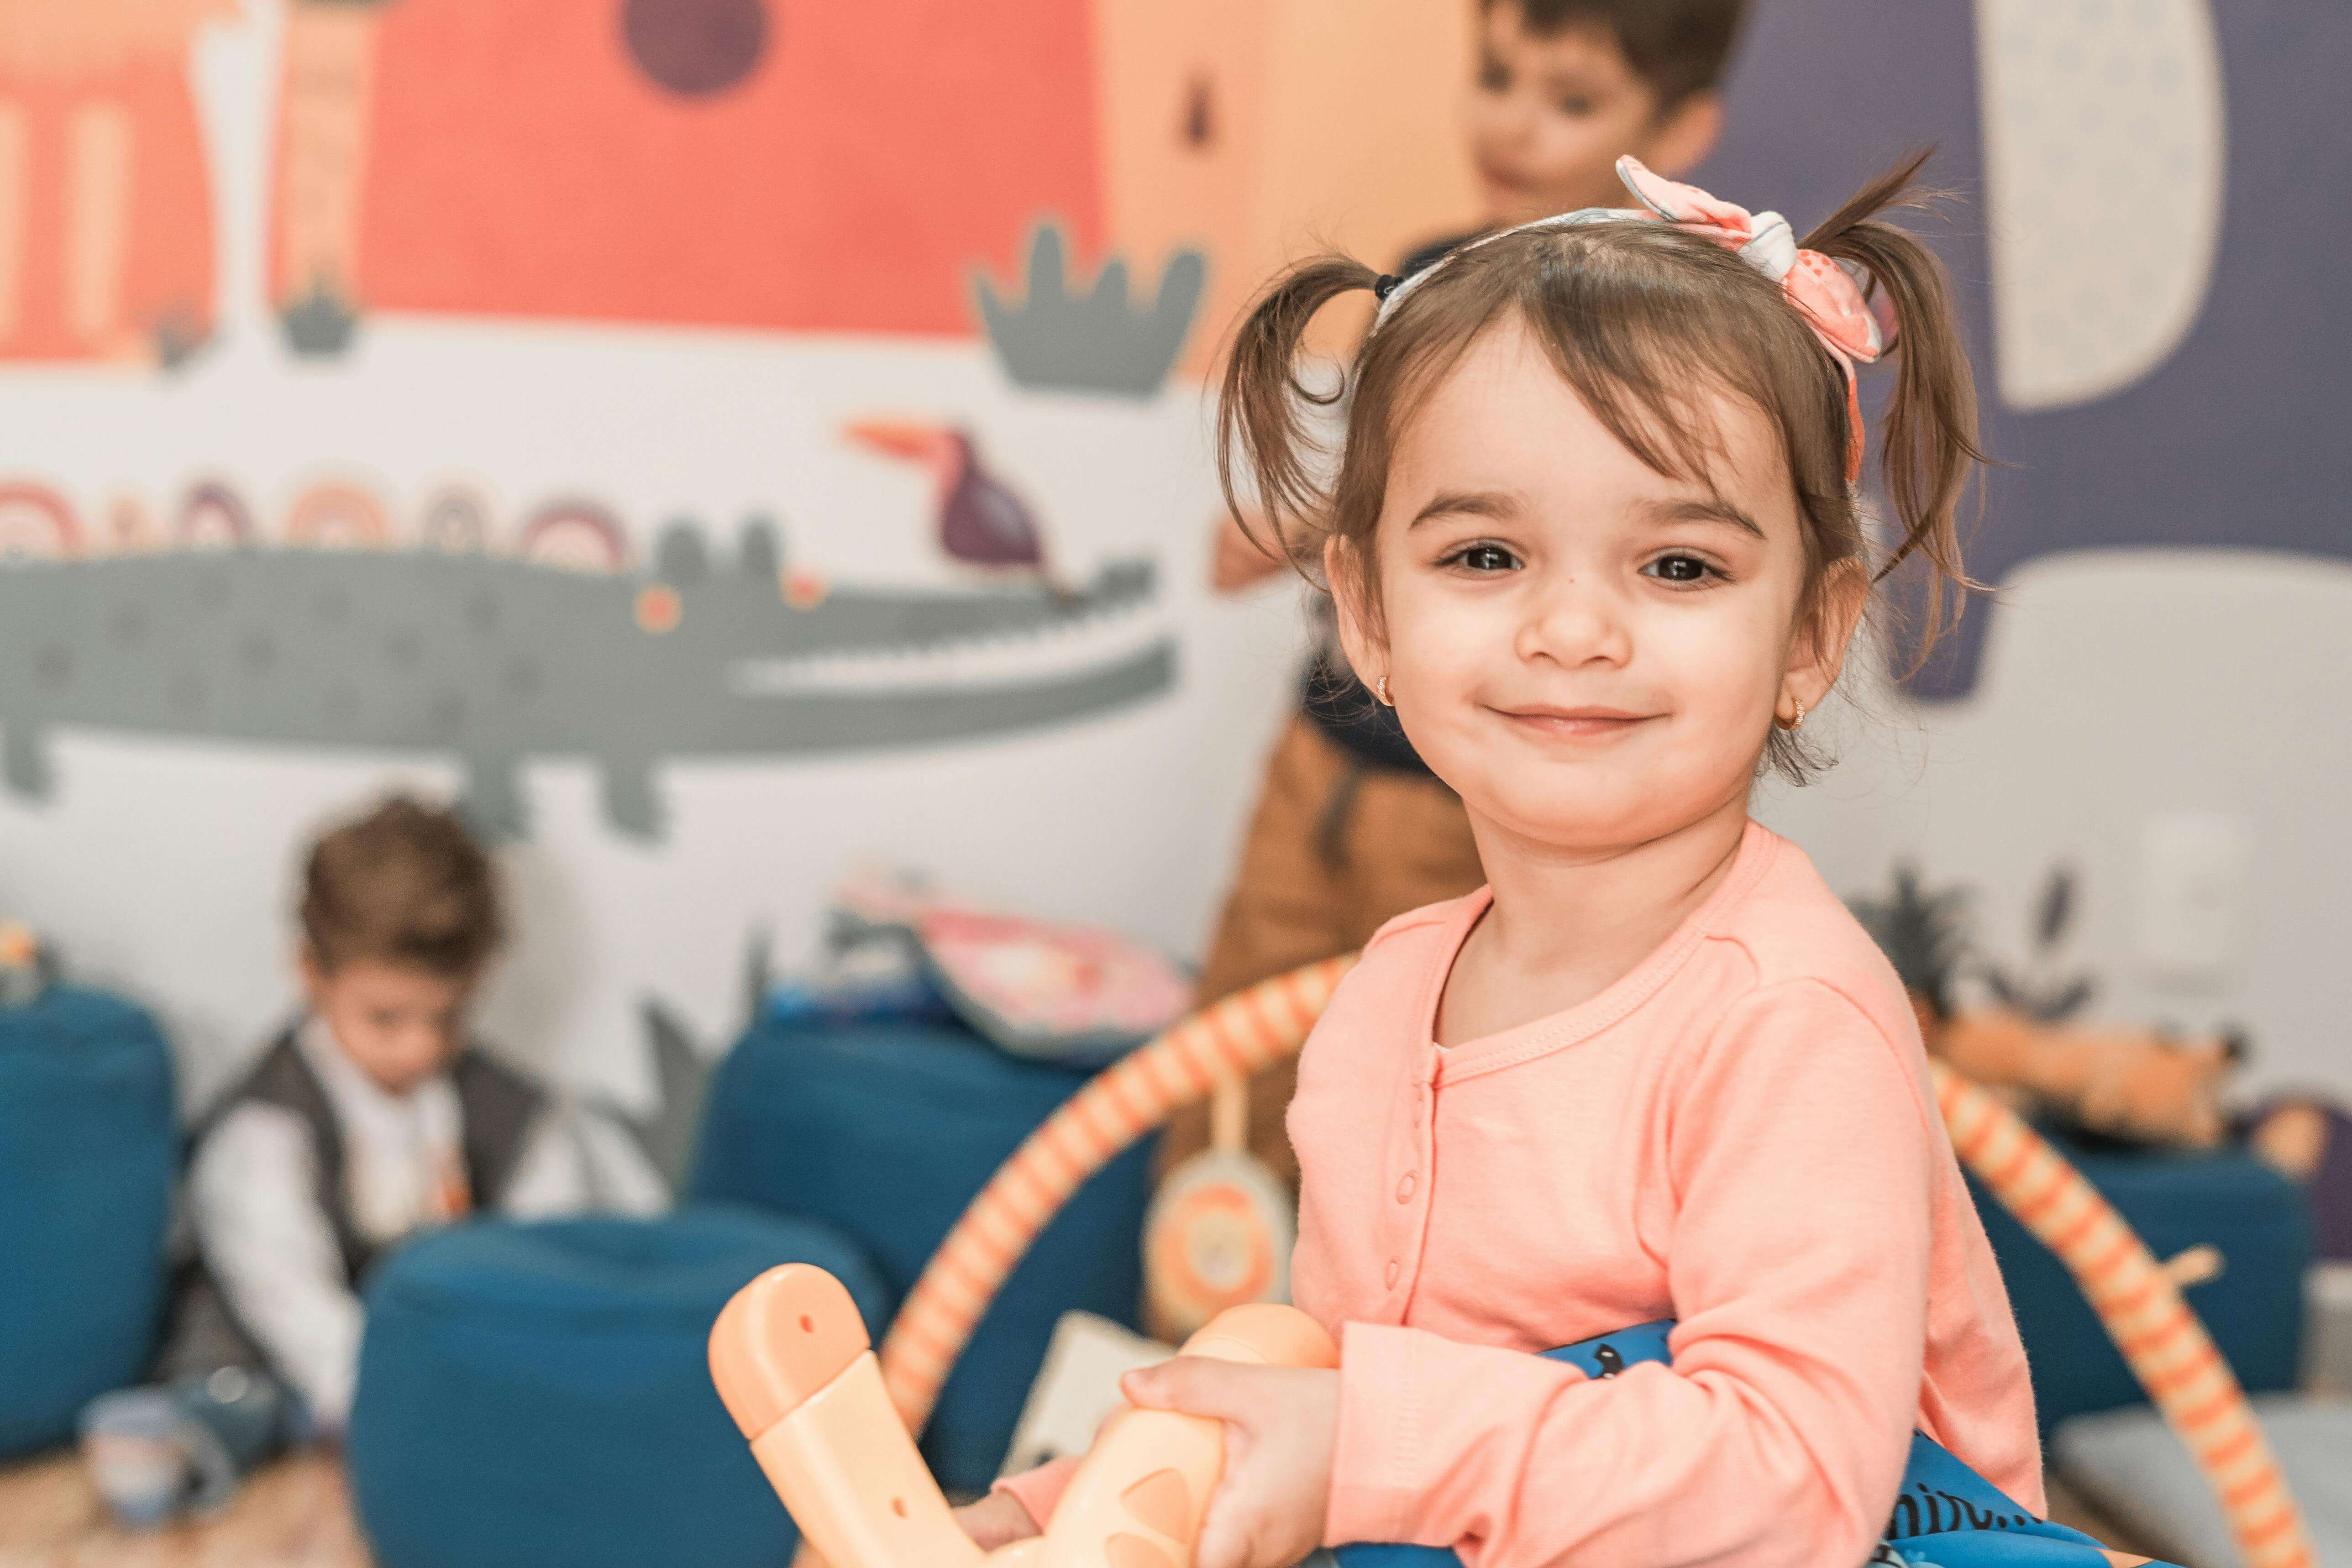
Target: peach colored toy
(2137, 1302)
(792, 1364)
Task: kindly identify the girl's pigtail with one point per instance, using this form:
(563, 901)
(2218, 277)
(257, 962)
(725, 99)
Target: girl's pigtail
(1264, 416)
(1927, 446)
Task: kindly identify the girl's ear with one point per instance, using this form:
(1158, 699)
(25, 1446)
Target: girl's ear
(1818, 650)
(1359, 638)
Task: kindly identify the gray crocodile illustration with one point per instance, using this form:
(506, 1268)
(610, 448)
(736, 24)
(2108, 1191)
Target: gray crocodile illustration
(498, 660)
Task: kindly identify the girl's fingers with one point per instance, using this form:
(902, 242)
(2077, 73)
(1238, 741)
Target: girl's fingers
(1196, 1385)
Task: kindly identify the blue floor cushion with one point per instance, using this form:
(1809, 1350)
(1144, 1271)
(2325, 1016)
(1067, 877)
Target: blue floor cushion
(886, 1131)
(538, 1395)
(88, 1151)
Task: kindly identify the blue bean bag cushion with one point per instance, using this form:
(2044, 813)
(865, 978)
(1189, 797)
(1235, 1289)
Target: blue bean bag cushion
(539, 1394)
(886, 1131)
(2257, 1218)
(88, 1151)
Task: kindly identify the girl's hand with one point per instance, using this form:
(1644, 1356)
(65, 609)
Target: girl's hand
(996, 1519)
(1282, 1424)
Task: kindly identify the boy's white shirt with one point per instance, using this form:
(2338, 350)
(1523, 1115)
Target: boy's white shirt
(251, 1199)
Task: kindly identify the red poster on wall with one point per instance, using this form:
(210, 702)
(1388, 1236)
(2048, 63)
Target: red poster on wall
(746, 163)
(106, 230)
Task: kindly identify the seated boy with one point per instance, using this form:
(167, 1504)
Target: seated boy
(371, 1118)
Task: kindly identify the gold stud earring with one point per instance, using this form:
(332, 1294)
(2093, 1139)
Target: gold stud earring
(1381, 690)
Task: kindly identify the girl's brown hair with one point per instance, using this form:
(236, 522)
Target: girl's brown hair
(1630, 315)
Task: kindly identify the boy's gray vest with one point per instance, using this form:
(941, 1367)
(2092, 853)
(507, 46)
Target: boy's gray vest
(497, 1105)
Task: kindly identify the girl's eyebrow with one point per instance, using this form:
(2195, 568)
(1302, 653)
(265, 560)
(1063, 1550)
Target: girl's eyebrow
(1469, 502)
(1699, 510)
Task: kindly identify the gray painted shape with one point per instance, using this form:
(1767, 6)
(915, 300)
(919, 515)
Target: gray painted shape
(496, 660)
(320, 325)
(2234, 441)
(1055, 340)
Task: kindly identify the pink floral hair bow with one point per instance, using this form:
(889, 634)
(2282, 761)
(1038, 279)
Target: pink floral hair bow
(1830, 300)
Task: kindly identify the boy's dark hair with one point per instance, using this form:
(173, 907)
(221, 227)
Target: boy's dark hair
(1678, 46)
(407, 885)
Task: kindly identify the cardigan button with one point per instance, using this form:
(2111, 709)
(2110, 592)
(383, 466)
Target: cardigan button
(1394, 1269)
(1404, 1188)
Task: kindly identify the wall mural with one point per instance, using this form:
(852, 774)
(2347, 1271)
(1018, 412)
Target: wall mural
(810, 389)
(740, 162)
(722, 162)
(552, 652)
(2148, 271)
(106, 226)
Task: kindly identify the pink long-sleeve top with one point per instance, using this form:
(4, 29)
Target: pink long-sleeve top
(1739, 1135)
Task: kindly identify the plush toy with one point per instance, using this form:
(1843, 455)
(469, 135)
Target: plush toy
(2138, 1084)
(2124, 1082)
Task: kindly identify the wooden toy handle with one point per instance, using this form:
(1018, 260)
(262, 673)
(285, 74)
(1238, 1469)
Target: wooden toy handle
(794, 1366)
(1139, 1495)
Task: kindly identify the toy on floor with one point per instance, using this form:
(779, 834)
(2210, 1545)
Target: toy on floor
(792, 1361)
(1220, 1229)
(2134, 1085)
(2138, 1084)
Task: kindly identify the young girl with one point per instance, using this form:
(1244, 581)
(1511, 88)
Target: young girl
(1595, 532)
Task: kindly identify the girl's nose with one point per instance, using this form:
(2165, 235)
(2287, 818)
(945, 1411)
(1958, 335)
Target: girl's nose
(1571, 625)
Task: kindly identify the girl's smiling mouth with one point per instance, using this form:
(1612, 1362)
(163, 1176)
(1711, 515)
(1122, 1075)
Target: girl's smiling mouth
(1591, 722)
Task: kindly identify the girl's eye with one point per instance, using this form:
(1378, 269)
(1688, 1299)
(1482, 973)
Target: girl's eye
(1483, 557)
(1576, 108)
(1680, 569)
(1494, 77)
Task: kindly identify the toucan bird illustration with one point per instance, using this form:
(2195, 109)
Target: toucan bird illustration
(982, 520)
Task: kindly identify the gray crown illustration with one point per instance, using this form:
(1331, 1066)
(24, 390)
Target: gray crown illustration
(319, 325)
(1059, 341)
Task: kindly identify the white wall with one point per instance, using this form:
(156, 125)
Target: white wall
(2124, 690)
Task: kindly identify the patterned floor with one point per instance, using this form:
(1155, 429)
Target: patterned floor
(296, 1514)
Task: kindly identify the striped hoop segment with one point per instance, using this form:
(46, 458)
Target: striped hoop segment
(2143, 1312)
(2137, 1302)
(1233, 1039)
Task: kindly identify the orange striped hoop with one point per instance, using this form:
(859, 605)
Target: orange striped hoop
(2137, 1302)
(2142, 1310)
(1233, 1039)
